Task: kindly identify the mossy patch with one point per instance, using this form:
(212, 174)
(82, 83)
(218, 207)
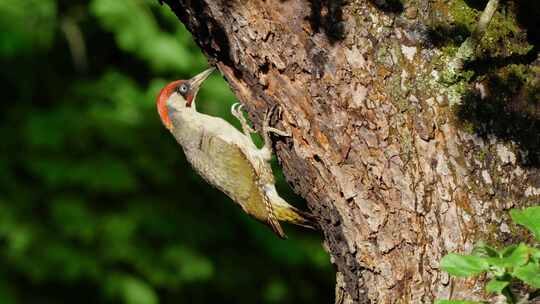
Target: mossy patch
(463, 14)
(504, 37)
(498, 92)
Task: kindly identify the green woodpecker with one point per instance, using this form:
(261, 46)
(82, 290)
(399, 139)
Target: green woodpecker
(225, 157)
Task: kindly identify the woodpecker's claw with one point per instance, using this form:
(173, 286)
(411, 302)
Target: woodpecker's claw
(236, 111)
(267, 149)
(266, 126)
(278, 132)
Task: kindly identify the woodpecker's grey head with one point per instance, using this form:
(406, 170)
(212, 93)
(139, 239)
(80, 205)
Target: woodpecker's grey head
(179, 95)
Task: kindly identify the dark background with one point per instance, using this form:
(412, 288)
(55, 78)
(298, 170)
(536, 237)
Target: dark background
(97, 203)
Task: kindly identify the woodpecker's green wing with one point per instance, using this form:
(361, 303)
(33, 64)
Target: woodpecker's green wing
(235, 175)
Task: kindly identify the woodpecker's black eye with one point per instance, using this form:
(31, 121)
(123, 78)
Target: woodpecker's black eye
(183, 89)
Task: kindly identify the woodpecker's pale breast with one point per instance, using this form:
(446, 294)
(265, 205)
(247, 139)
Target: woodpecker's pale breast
(224, 158)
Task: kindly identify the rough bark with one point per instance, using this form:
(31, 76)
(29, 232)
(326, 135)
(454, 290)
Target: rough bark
(376, 148)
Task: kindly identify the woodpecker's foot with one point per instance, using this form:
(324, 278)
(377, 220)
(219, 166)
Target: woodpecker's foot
(236, 111)
(278, 132)
(267, 149)
(266, 123)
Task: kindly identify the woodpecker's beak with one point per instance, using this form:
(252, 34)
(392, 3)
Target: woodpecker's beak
(196, 82)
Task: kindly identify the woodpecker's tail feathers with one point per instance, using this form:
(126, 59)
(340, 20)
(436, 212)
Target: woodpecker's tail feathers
(295, 216)
(308, 220)
(276, 227)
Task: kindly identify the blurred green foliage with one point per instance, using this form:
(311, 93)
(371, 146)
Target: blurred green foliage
(97, 203)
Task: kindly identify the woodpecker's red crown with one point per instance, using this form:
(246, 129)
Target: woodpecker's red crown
(188, 89)
(161, 102)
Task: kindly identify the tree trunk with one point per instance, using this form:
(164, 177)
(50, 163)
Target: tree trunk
(396, 164)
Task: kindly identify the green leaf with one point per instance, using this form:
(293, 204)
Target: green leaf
(456, 302)
(496, 286)
(535, 254)
(484, 250)
(138, 292)
(529, 274)
(131, 290)
(512, 256)
(506, 251)
(519, 256)
(464, 265)
(530, 218)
